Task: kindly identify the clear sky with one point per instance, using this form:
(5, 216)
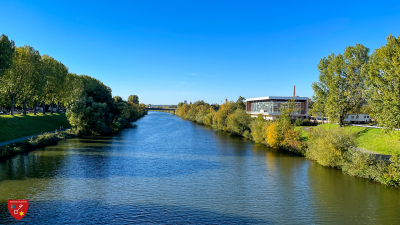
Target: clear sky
(169, 51)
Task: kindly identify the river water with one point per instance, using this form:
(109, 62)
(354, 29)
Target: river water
(166, 170)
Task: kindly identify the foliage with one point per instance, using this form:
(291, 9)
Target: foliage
(96, 89)
(341, 84)
(33, 143)
(292, 141)
(88, 117)
(273, 135)
(258, 129)
(220, 117)
(133, 99)
(391, 175)
(383, 80)
(328, 147)
(238, 122)
(7, 49)
(362, 164)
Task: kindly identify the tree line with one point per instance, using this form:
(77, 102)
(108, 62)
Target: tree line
(350, 81)
(28, 79)
(232, 117)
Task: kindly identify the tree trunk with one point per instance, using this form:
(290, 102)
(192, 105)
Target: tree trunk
(12, 105)
(44, 108)
(34, 107)
(25, 107)
(51, 108)
(58, 107)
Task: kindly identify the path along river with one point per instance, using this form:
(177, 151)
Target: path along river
(170, 171)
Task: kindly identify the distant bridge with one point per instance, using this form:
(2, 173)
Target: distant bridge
(161, 109)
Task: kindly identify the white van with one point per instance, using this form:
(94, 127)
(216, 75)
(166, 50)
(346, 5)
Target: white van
(357, 118)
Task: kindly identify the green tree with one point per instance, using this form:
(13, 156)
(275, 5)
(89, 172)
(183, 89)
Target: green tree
(258, 128)
(238, 122)
(341, 82)
(33, 79)
(118, 99)
(13, 79)
(96, 89)
(7, 49)
(383, 80)
(133, 99)
(88, 117)
(55, 73)
(72, 89)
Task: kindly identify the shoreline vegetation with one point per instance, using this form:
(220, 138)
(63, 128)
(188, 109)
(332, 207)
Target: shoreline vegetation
(29, 79)
(328, 144)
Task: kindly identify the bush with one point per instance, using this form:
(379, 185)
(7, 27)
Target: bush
(272, 135)
(391, 175)
(292, 141)
(328, 147)
(88, 117)
(362, 164)
(238, 122)
(258, 129)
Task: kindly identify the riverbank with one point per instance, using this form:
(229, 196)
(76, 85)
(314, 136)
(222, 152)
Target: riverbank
(38, 141)
(18, 126)
(33, 143)
(370, 139)
(326, 144)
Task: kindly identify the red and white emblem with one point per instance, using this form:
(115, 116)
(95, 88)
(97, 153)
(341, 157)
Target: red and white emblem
(18, 208)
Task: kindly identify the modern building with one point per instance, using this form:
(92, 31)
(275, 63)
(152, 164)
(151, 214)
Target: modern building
(269, 106)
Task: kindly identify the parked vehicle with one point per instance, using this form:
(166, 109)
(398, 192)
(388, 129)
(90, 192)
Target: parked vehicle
(357, 118)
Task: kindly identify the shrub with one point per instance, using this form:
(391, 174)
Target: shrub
(89, 117)
(391, 175)
(362, 164)
(298, 122)
(258, 129)
(208, 119)
(272, 135)
(328, 147)
(247, 134)
(292, 141)
(238, 122)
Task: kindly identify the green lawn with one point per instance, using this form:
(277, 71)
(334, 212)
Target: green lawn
(20, 126)
(372, 139)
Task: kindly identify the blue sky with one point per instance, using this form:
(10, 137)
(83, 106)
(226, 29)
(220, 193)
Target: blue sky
(169, 51)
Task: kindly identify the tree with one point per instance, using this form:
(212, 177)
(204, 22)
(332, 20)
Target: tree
(240, 103)
(7, 49)
(133, 99)
(72, 89)
(118, 99)
(96, 89)
(13, 78)
(383, 81)
(88, 117)
(33, 79)
(341, 83)
(238, 122)
(55, 73)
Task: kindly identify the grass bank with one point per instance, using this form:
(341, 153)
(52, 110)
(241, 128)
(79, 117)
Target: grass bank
(21, 126)
(33, 143)
(371, 139)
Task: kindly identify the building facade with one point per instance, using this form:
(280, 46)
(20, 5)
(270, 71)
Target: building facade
(269, 107)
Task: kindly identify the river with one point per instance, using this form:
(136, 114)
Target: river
(167, 170)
